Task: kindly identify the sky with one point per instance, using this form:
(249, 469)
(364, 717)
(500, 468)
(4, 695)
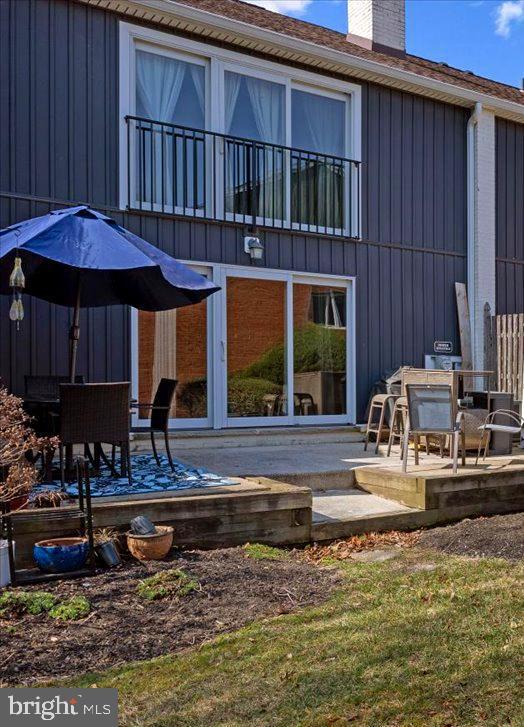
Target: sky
(483, 36)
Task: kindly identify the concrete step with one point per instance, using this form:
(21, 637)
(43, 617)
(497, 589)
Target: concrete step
(254, 437)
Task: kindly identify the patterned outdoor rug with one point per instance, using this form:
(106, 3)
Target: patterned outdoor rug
(146, 476)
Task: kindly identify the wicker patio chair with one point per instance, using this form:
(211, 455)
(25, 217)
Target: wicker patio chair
(96, 414)
(160, 409)
(490, 426)
(40, 391)
(46, 387)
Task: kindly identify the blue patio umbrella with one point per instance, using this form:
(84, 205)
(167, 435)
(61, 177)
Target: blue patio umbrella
(79, 257)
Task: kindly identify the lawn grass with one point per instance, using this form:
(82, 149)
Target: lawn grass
(421, 640)
(259, 551)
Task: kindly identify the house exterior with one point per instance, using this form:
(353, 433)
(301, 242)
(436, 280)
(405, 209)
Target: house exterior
(367, 180)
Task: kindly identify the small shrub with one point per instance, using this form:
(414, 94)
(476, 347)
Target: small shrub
(245, 396)
(193, 397)
(71, 610)
(167, 584)
(258, 551)
(18, 603)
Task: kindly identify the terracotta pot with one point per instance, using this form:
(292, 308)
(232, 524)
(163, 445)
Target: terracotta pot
(151, 547)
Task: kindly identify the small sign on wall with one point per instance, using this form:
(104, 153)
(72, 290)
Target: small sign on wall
(443, 347)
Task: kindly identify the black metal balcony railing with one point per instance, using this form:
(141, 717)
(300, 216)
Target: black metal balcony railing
(179, 170)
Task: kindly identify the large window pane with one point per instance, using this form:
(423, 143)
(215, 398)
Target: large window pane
(170, 160)
(319, 349)
(317, 182)
(173, 344)
(256, 347)
(254, 109)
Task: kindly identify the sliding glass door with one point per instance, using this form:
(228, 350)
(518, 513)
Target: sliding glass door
(288, 348)
(271, 348)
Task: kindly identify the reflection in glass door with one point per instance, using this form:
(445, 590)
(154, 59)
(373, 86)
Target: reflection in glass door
(173, 344)
(319, 349)
(256, 348)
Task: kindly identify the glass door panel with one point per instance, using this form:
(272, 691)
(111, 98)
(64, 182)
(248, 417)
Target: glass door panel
(319, 350)
(173, 344)
(256, 347)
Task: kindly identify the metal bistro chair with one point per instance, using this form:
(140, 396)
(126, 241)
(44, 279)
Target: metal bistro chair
(96, 414)
(160, 409)
(490, 426)
(431, 410)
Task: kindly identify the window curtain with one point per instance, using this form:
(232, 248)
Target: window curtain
(164, 362)
(232, 89)
(199, 80)
(317, 188)
(158, 84)
(255, 170)
(267, 103)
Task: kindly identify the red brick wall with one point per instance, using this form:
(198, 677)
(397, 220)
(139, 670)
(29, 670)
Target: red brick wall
(255, 319)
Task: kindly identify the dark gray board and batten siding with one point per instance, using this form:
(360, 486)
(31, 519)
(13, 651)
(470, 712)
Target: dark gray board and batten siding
(510, 216)
(59, 140)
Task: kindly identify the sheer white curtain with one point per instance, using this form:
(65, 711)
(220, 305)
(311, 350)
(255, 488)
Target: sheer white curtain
(158, 85)
(318, 126)
(199, 81)
(268, 106)
(232, 89)
(164, 362)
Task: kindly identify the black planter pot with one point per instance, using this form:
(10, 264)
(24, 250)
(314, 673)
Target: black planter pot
(108, 553)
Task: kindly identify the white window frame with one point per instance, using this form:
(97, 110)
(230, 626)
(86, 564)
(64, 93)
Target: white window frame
(217, 350)
(218, 61)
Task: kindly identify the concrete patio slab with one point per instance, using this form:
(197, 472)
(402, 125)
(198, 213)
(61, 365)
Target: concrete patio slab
(336, 505)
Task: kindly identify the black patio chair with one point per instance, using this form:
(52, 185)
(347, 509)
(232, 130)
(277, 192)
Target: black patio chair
(40, 394)
(96, 414)
(160, 409)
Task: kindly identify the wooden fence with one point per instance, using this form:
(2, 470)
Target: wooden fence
(504, 350)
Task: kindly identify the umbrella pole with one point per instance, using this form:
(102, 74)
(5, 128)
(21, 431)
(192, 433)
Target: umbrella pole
(74, 335)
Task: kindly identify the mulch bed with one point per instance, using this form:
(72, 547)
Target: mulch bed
(122, 627)
(500, 536)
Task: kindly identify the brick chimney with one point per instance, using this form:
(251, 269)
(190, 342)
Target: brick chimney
(378, 25)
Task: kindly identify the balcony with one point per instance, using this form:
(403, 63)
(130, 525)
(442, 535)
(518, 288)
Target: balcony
(179, 170)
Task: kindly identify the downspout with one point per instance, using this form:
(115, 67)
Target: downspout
(471, 227)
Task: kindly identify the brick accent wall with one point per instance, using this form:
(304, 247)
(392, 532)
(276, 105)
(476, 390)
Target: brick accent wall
(380, 21)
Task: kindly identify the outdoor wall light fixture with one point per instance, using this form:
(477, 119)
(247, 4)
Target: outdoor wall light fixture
(253, 247)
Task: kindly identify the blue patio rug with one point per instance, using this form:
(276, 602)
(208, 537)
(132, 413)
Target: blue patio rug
(146, 477)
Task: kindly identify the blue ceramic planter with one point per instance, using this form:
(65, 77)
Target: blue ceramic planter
(61, 555)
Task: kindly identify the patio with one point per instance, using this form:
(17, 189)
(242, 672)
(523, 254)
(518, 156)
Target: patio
(315, 485)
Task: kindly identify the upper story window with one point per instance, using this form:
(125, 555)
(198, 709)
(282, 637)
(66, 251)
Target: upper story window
(210, 134)
(255, 108)
(170, 89)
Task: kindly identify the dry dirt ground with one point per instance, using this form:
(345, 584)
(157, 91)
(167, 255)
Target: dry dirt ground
(233, 590)
(500, 536)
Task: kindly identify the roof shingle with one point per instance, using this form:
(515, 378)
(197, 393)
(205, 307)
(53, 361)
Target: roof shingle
(261, 18)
